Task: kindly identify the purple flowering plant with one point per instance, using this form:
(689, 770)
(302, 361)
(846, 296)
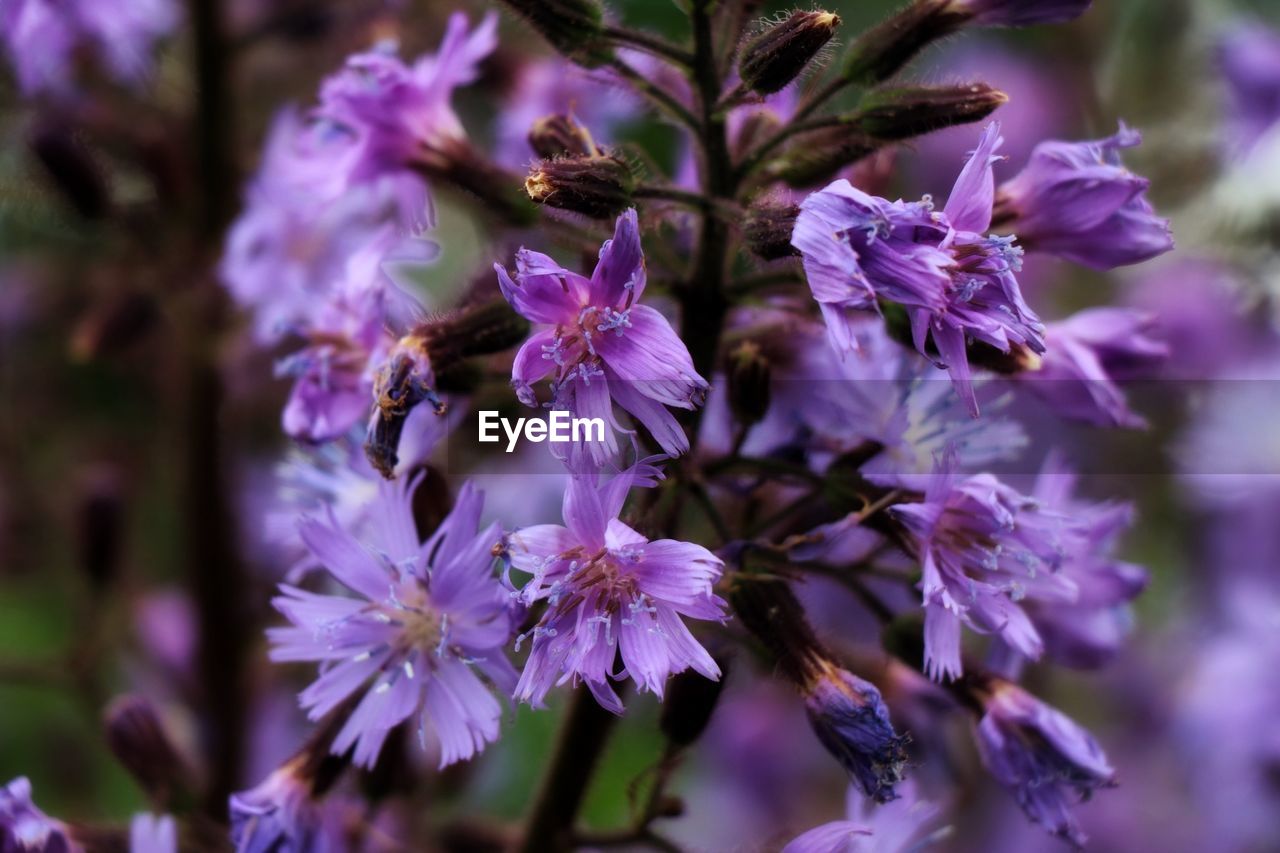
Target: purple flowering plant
(784, 409)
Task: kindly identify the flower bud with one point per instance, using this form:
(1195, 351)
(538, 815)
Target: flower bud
(895, 114)
(881, 51)
(777, 55)
(599, 187)
(572, 27)
(457, 163)
(767, 229)
(749, 381)
(690, 700)
(137, 738)
(815, 157)
(560, 135)
(471, 331)
(846, 712)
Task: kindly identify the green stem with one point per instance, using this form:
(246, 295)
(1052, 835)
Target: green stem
(655, 93)
(641, 40)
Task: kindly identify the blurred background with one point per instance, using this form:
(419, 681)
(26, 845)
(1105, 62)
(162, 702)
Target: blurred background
(131, 396)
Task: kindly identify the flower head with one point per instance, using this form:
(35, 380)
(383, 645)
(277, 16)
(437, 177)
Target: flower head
(424, 638)
(26, 829)
(983, 548)
(599, 345)
(1042, 756)
(397, 111)
(610, 592)
(281, 815)
(1085, 355)
(955, 283)
(1078, 201)
(851, 720)
(44, 38)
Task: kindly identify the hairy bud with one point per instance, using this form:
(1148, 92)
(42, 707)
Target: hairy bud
(895, 114)
(816, 156)
(457, 163)
(561, 135)
(749, 378)
(780, 52)
(767, 229)
(599, 187)
(573, 27)
(880, 52)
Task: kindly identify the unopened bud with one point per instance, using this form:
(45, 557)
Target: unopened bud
(895, 114)
(598, 187)
(880, 52)
(560, 135)
(72, 169)
(100, 524)
(815, 157)
(691, 699)
(780, 52)
(767, 229)
(573, 27)
(482, 329)
(137, 738)
(749, 381)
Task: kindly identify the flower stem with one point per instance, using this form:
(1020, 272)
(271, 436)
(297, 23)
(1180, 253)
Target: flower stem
(583, 734)
(641, 40)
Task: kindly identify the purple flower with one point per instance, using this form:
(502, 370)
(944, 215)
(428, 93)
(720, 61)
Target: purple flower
(150, 833)
(899, 826)
(852, 722)
(1087, 631)
(303, 222)
(955, 284)
(399, 112)
(1042, 756)
(1249, 58)
(1021, 13)
(600, 345)
(44, 38)
(280, 815)
(1084, 357)
(424, 638)
(23, 827)
(1078, 201)
(983, 547)
(610, 591)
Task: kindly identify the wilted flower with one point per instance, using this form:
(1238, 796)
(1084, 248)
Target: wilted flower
(851, 720)
(610, 592)
(423, 639)
(1085, 355)
(1042, 756)
(955, 284)
(1078, 201)
(602, 345)
(26, 829)
(44, 38)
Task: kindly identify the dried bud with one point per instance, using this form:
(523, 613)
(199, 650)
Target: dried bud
(880, 52)
(767, 229)
(815, 157)
(100, 524)
(72, 168)
(749, 380)
(561, 135)
(138, 740)
(777, 55)
(598, 187)
(691, 699)
(573, 27)
(894, 114)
